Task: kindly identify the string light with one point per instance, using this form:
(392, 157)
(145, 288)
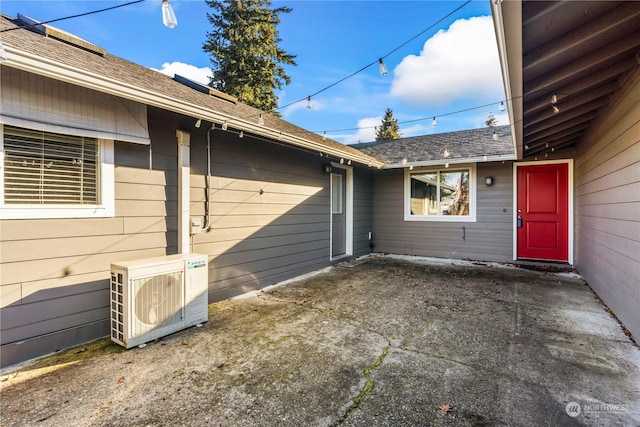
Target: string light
(554, 98)
(241, 134)
(198, 123)
(383, 69)
(556, 110)
(308, 102)
(261, 120)
(224, 125)
(502, 108)
(168, 15)
(495, 136)
(379, 60)
(433, 122)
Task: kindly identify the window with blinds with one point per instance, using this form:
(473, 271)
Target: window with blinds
(50, 168)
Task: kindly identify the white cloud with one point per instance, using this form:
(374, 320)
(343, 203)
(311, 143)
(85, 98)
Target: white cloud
(415, 130)
(366, 130)
(457, 63)
(200, 75)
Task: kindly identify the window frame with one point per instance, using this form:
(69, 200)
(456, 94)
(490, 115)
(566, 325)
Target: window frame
(106, 189)
(408, 216)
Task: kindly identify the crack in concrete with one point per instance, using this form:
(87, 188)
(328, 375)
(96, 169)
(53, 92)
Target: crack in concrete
(369, 384)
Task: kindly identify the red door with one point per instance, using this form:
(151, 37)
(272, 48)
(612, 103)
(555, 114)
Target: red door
(543, 212)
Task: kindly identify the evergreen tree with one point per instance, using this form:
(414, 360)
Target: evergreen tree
(243, 48)
(389, 127)
(491, 120)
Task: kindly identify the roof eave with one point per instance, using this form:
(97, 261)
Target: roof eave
(456, 161)
(507, 21)
(25, 61)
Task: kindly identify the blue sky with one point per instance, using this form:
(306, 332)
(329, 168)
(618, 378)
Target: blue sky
(450, 67)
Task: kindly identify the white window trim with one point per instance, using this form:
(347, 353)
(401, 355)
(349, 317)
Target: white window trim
(103, 210)
(441, 218)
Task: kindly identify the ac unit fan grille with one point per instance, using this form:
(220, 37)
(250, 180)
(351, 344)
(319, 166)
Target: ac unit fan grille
(157, 301)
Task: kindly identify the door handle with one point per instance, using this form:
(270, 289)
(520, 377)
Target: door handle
(519, 223)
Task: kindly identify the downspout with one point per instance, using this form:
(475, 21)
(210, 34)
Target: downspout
(184, 169)
(207, 213)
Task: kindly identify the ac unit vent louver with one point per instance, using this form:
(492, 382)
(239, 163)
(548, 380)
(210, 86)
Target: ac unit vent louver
(155, 297)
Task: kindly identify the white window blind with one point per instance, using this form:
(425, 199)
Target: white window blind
(50, 168)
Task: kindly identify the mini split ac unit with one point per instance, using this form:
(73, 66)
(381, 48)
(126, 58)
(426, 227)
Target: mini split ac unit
(154, 297)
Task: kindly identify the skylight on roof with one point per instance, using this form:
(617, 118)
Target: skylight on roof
(56, 33)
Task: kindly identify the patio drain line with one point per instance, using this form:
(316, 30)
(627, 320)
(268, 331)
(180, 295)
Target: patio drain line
(368, 385)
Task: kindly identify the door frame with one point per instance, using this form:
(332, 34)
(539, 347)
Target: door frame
(348, 211)
(516, 165)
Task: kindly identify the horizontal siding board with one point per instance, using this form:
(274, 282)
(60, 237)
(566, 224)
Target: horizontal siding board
(617, 228)
(613, 179)
(154, 224)
(221, 276)
(27, 250)
(10, 294)
(31, 271)
(630, 213)
(34, 229)
(620, 195)
(145, 208)
(37, 346)
(145, 176)
(46, 317)
(135, 191)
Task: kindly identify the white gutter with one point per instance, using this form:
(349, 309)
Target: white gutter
(457, 161)
(46, 67)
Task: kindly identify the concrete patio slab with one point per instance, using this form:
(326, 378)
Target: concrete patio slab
(386, 341)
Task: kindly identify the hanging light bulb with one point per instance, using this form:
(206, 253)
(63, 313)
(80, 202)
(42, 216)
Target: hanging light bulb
(308, 102)
(502, 106)
(324, 135)
(404, 161)
(224, 125)
(446, 165)
(554, 98)
(241, 134)
(556, 110)
(168, 16)
(349, 163)
(484, 158)
(383, 69)
(446, 153)
(495, 136)
(433, 122)
(198, 123)
(260, 120)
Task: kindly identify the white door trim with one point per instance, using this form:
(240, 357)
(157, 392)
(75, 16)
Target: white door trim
(348, 212)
